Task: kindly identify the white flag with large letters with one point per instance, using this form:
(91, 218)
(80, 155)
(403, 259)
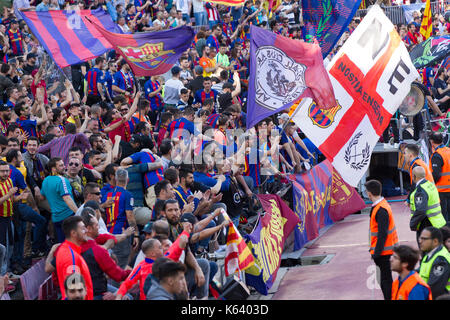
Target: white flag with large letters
(371, 75)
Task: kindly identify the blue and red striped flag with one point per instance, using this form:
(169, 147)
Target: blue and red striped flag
(327, 20)
(150, 53)
(67, 36)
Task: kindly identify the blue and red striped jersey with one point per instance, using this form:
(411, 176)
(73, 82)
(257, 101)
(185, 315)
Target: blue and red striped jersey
(151, 177)
(156, 100)
(180, 127)
(213, 119)
(16, 41)
(116, 217)
(93, 77)
(200, 96)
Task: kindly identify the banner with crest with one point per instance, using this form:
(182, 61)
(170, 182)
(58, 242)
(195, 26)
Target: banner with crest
(283, 70)
(150, 53)
(371, 75)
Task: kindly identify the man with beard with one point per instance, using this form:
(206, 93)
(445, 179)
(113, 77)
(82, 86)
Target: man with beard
(87, 175)
(26, 123)
(35, 164)
(75, 287)
(73, 170)
(5, 117)
(197, 275)
(68, 259)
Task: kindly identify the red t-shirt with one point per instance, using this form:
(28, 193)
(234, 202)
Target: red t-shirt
(69, 260)
(123, 131)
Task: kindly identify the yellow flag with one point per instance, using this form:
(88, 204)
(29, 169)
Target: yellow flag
(426, 27)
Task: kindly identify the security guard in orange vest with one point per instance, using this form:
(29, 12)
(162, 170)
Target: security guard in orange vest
(383, 235)
(409, 285)
(440, 168)
(412, 156)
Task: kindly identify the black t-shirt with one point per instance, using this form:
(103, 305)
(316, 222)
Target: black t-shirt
(195, 84)
(440, 84)
(87, 176)
(27, 69)
(225, 100)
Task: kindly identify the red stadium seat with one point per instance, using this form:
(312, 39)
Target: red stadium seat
(47, 290)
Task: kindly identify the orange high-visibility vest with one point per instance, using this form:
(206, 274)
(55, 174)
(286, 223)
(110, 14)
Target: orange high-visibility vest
(443, 185)
(420, 162)
(402, 293)
(392, 238)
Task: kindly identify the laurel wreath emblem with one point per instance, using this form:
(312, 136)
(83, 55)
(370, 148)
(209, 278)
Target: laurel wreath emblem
(365, 153)
(327, 9)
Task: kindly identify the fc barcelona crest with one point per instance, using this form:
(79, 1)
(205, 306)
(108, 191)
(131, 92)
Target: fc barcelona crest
(323, 118)
(148, 56)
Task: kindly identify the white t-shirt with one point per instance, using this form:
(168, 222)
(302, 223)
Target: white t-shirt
(172, 90)
(198, 6)
(183, 6)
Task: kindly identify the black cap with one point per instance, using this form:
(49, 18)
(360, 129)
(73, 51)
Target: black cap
(4, 107)
(188, 217)
(14, 21)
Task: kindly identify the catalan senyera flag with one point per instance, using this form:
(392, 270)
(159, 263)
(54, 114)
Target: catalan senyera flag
(238, 256)
(426, 27)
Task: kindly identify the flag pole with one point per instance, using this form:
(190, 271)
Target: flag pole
(300, 104)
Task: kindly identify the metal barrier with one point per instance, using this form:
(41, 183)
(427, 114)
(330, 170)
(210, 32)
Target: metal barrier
(396, 14)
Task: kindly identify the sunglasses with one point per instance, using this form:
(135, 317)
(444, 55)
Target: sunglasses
(96, 193)
(73, 164)
(124, 110)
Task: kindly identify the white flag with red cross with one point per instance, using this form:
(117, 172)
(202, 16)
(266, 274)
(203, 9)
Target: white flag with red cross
(371, 75)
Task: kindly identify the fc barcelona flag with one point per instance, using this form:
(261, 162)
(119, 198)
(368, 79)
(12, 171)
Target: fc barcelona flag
(150, 53)
(284, 70)
(67, 36)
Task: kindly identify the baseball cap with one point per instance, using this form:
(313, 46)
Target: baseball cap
(188, 217)
(4, 107)
(148, 228)
(283, 116)
(176, 70)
